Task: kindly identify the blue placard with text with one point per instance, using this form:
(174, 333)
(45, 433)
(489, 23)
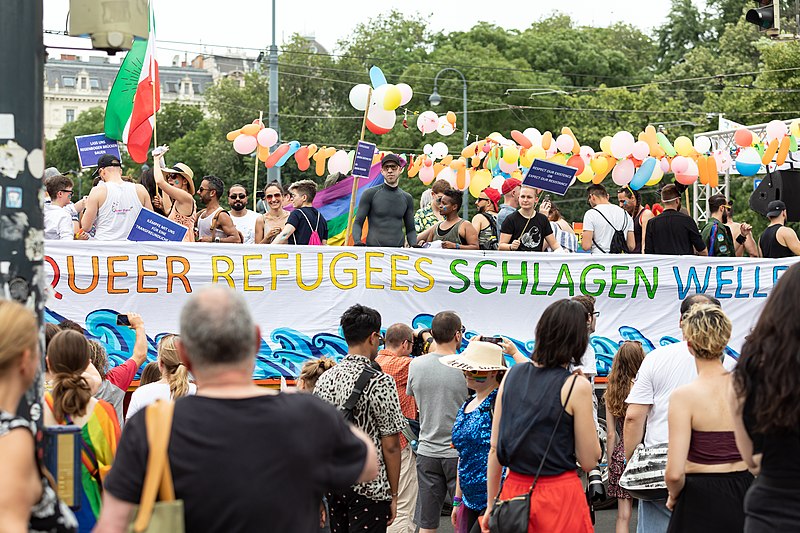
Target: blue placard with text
(91, 147)
(550, 177)
(150, 226)
(363, 160)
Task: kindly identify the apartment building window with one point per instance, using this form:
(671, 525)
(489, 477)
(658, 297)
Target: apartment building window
(68, 81)
(70, 115)
(94, 83)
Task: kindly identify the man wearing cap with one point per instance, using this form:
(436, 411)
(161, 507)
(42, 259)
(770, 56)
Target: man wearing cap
(717, 235)
(178, 186)
(388, 209)
(510, 190)
(778, 241)
(249, 223)
(673, 232)
(485, 221)
(114, 204)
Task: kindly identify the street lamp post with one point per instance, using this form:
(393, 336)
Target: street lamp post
(435, 99)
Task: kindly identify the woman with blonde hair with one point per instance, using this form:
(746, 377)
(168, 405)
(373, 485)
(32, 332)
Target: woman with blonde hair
(706, 475)
(626, 364)
(311, 372)
(174, 382)
(27, 499)
(71, 403)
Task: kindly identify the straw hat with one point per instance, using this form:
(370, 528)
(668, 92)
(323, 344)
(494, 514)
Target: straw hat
(478, 356)
(183, 170)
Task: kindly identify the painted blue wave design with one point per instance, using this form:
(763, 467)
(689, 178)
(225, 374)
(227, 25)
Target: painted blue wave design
(289, 348)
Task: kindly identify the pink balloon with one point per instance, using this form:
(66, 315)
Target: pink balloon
(641, 150)
(776, 129)
(267, 137)
(683, 179)
(664, 162)
(587, 152)
(427, 122)
(623, 172)
(565, 143)
(680, 164)
(622, 144)
(426, 175)
(508, 168)
(723, 160)
(245, 144)
(693, 170)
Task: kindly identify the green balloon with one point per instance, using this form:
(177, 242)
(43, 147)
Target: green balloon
(792, 143)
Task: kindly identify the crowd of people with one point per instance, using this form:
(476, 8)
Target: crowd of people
(523, 222)
(399, 429)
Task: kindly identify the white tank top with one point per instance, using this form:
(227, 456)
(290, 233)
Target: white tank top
(246, 225)
(118, 213)
(204, 225)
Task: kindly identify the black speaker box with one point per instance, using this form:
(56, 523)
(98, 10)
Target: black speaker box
(781, 185)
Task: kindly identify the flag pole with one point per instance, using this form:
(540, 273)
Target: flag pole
(154, 75)
(255, 166)
(353, 192)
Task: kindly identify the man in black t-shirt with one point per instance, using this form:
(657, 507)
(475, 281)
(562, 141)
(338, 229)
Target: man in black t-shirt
(525, 230)
(673, 232)
(304, 220)
(243, 458)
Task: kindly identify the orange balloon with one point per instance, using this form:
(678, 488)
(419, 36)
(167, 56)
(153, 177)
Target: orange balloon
(233, 134)
(783, 151)
(312, 149)
(476, 161)
(279, 152)
(547, 140)
(437, 167)
(567, 131)
(321, 157)
(649, 136)
(458, 164)
(702, 167)
(263, 154)
(451, 118)
(600, 176)
(447, 160)
(576, 161)
(251, 129)
(743, 137)
(461, 178)
(769, 153)
(713, 174)
(520, 139)
(301, 157)
(413, 168)
(470, 150)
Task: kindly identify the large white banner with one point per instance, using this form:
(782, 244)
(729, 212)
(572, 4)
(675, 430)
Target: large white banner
(298, 293)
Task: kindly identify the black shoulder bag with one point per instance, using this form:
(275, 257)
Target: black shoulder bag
(361, 383)
(512, 515)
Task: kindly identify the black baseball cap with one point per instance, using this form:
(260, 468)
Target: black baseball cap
(107, 160)
(392, 158)
(775, 208)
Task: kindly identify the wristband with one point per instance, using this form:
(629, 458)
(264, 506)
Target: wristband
(457, 501)
(458, 245)
(741, 239)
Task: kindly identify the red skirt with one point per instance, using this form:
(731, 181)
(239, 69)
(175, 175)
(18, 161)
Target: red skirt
(558, 503)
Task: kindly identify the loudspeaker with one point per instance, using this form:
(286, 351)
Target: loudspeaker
(778, 185)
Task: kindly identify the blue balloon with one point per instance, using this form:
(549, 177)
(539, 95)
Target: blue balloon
(644, 174)
(376, 77)
(293, 147)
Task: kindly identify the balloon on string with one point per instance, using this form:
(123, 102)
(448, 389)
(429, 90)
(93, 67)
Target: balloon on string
(743, 137)
(245, 144)
(776, 129)
(451, 118)
(640, 150)
(445, 127)
(267, 137)
(622, 145)
(683, 145)
(623, 172)
(427, 122)
(748, 162)
(479, 181)
(510, 154)
(587, 175)
(702, 144)
(680, 164)
(565, 143)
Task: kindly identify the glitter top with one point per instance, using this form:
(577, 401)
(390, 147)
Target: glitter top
(472, 434)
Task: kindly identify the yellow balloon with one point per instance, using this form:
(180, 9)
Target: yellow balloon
(586, 176)
(656, 177)
(517, 174)
(510, 154)
(560, 159)
(537, 152)
(599, 165)
(392, 99)
(605, 144)
(794, 128)
(251, 129)
(480, 180)
(683, 145)
(527, 159)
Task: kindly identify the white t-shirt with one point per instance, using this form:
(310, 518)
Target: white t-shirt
(663, 370)
(588, 362)
(602, 232)
(246, 225)
(57, 223)
(150, 393)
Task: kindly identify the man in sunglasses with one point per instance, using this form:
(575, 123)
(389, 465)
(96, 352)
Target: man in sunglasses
(57, 220)
(716, 233)
(439, 391)
(249, 223)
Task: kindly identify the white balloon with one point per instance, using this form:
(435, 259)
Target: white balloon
(359, 95)
(702, 144)
(447, 174)
(444, 127)
(497, 183)
(439, 150)
(406, 93)
(534, 136)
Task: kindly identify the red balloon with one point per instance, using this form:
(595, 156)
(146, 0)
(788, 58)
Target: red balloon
(275, 156)
(576, 161)
(743, 137)
(301, 156)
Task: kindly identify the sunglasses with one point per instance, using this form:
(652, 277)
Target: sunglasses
(201, 189)
(484, 199)
(391, 168)
(66, 190)
(237, 196)
(476, 373)
(271, 196)
(596, 314)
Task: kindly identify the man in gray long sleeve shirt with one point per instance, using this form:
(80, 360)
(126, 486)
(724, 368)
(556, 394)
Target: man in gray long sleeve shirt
(389, 209)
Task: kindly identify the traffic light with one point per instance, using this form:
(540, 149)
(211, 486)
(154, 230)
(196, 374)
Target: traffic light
(766, 16)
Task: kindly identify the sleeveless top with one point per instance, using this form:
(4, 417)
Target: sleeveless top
(472, 433)
(118, 213)
(487, 237)
(204, 224)
(183, 220)
(713, 448)
(637, 232)
(531, 405)
(450, 235)
(49, 513)
(247, 225)
(770, 247)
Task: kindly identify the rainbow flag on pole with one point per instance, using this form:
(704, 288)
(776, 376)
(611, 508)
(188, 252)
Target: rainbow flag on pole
(333, 203)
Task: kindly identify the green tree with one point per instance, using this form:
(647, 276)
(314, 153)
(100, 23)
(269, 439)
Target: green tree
(176, 120)
(684, 30)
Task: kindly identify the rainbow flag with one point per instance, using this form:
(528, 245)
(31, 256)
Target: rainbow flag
(333, 203)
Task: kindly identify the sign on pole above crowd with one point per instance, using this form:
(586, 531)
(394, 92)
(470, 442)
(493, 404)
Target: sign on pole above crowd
(363, 160)
(550, 177)
(91, 147)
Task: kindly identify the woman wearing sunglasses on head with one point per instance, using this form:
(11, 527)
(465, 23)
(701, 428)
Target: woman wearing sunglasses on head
(275, 218)
(483, 367)
(177, 192)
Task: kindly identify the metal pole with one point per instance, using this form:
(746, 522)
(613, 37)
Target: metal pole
(22, 134)
(466, 142)
(274, 173)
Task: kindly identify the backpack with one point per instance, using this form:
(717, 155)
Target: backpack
(361, 383)
(619, 244)
(492, 243)
(314, 240)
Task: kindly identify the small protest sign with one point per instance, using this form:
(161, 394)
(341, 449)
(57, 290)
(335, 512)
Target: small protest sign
(91, 147)
(550, 177)
(150, 226)
(363, 160)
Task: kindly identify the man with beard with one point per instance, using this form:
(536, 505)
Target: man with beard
(525, 229)
(214, 224)
(631, 202)
(717, 235)
(249, 223)
(388, 209)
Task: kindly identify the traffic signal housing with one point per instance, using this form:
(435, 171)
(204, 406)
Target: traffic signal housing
(766, 16)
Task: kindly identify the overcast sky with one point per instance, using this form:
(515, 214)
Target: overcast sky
(247, 23)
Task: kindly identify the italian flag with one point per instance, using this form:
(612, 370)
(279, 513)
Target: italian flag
(135, 97)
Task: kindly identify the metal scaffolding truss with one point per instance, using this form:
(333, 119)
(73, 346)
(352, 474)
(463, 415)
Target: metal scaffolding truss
(721, 140)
